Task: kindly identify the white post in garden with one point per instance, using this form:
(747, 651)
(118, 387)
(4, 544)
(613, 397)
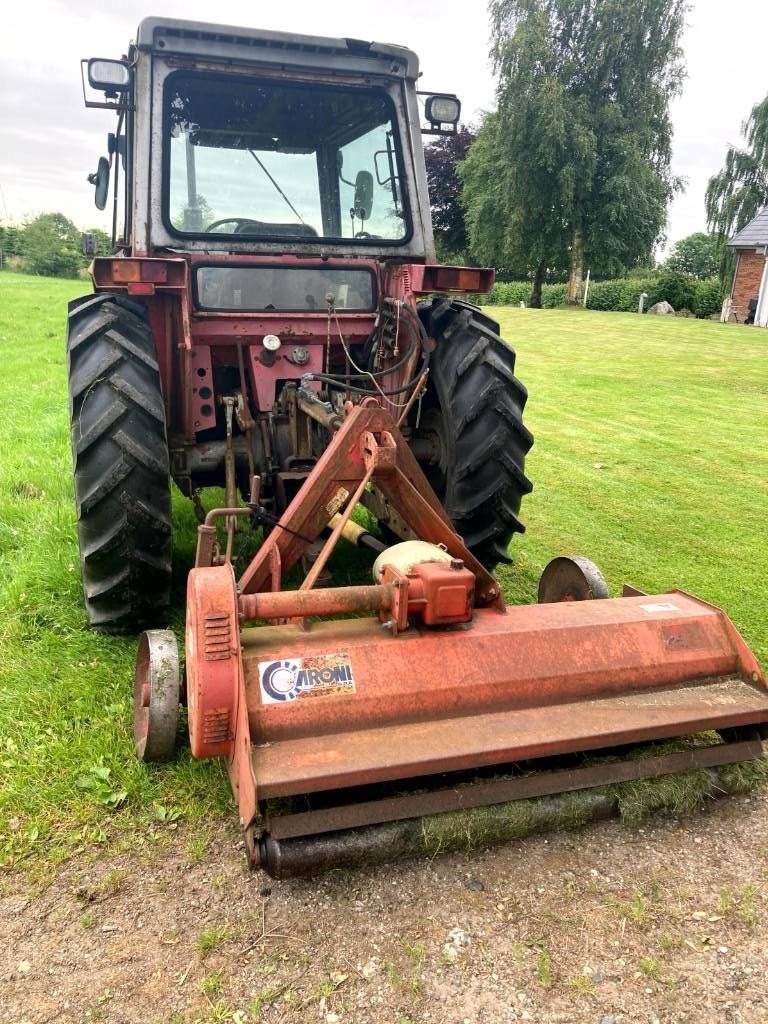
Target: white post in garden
(586, 289)
(761, 313)
(641, 303)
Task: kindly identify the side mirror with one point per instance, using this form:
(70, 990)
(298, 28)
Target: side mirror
(363, 202)
(101, 180)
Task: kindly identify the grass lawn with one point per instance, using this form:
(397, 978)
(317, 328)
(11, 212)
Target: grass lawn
(651, 457)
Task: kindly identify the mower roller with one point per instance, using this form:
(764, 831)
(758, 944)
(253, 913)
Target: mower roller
(272, 320)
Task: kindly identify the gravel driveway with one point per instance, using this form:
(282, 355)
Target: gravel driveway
(663, 924)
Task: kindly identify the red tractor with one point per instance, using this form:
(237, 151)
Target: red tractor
(274, 260)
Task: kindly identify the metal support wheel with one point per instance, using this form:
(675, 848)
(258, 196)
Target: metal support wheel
(571, 578)
(156, 696)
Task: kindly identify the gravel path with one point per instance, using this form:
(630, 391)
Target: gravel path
(664, 924)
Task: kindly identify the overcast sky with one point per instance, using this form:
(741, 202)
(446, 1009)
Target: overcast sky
(49, 142)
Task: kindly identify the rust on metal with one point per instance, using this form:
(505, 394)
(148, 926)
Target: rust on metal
(288, 604)
(312, 763)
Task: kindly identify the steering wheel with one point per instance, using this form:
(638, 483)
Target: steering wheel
(242, 224)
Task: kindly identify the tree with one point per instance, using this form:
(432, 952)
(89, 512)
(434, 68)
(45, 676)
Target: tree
(441, 157)
(582, 136)
(508, 213)
(696, 255)
(740, 190)
(51, 246)
(10, 242)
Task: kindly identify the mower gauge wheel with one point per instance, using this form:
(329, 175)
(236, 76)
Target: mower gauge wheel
(156, 696)
(571, 578)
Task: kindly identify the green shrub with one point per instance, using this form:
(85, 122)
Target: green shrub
(708, 297)
(553, 295)
(679, 290)
(509, 293)
(702, 298)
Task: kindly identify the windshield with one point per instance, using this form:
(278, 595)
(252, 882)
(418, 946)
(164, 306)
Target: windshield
(262, 159)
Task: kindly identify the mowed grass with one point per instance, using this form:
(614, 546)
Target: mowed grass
(651, 458)
(69, 776)
(650, 455)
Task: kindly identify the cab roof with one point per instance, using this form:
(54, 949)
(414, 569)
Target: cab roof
(196, 38)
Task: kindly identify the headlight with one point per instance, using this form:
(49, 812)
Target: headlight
(442, 109)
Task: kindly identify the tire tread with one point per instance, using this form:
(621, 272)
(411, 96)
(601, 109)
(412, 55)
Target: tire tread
(121, 464)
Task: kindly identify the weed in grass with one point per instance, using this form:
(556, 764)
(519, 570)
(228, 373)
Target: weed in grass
(210, 940)
(416, 951)
(98, 783)
(393, 975)
(584, 985)
(262, 1001)
(747, 909)
(87, 921)
(112, 882)
(726, 900)
(212, 984)
(165, 814)
(634, 911)
(217, 1013)
(650, 968)
(544, 969)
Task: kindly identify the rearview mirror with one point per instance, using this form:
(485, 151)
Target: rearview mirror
(101, 180)
(363, 202)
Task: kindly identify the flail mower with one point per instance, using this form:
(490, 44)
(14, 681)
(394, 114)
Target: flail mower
(272, 321)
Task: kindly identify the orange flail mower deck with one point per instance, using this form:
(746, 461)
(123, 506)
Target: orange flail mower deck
(432, 701)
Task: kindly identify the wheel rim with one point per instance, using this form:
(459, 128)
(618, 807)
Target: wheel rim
(571, 578)
(156, 696)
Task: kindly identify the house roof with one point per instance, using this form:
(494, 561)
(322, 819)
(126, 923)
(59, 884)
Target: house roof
(753, 234)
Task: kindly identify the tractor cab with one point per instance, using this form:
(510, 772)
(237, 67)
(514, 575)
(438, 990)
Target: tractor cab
(246, 141)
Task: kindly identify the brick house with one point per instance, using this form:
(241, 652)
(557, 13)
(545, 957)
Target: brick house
(751, 279)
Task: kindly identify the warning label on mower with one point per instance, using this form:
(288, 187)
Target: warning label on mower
(316, 676)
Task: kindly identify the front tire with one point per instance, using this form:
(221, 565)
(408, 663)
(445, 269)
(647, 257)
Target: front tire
(471, 426)
(121, 464)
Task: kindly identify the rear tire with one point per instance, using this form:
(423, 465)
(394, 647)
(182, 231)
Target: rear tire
(121, 464)
(472, 422)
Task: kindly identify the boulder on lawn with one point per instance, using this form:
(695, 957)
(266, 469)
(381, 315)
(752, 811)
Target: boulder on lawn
(661, 309)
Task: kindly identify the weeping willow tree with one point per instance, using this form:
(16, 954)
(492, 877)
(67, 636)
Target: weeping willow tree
(737, 194)
(574, 165)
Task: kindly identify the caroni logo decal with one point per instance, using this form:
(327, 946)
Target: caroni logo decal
(290, 678)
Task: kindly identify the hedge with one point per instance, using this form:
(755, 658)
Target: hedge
(701, 298)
